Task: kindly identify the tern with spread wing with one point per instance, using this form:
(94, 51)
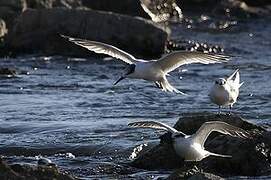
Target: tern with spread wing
(225, 91)
(150, 70)
(191, 147)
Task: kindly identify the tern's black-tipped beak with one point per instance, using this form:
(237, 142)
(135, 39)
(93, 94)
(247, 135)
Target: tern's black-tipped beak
(121, 78)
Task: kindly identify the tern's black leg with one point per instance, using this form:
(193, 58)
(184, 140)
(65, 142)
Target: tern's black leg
(230, 109)
(219, 110)
(157, 84)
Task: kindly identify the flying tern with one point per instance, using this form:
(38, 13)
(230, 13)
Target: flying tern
(150, 70)
(191, 147)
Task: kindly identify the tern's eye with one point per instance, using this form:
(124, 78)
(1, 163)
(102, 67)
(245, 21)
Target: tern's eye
(216, 82)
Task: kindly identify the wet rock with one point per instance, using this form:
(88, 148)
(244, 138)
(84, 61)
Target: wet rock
(188, 45)
(162, 10)
(7, 72)
(47, 4)
(241, 9)
(205, 176)
(16, 5)
(192, 174)
(38, 31)
(26, 171)
(258, 2)
(9, 10)
(250, 157)
(128, 7)
(226, 8)
(11, 72)
(3, 28)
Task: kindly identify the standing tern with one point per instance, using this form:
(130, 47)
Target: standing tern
(225, 91)
(150, 70)
(191, 147)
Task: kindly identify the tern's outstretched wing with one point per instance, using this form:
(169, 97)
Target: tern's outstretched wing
(205, 130)
(154, 125)
(174, 60)
(102, 48)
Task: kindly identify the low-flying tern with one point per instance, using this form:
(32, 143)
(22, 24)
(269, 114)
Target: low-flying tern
(191, 147)
(225, 91)
(150, 70)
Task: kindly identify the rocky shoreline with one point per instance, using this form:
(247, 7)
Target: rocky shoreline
(27, 171)
(33, 26)
(251, 157)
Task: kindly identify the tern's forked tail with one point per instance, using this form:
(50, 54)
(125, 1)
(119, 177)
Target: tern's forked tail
(165, 86)
(220, 155)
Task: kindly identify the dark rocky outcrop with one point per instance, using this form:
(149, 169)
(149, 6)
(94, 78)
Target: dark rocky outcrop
(128, 7)
(192, 173)
(3, 28)
(31, 172)
(48, 4)
(250, 157)
(9, 10)
(38, 31)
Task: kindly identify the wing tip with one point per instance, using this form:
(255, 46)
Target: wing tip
(66, 37)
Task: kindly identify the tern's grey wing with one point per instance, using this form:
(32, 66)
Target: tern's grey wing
(153, 125)
(102, 48)
(174, 60)
(205, 130)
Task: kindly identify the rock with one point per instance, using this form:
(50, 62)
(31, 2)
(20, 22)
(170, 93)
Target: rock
(47, 4)
(258, 2)
(162, 10)
(6, 172)
(3, 28)
(128, 7)
(188, 45)
(226, 8)
(7, 72)
(26, 171)
(37, 31)
(15, 5)
(11, 72)
(10, 9)
(193, 174)
(250, 157)
(241, 9)
(203, 176)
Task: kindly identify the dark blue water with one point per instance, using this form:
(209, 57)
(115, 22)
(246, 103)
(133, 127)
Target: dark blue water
(67, 109)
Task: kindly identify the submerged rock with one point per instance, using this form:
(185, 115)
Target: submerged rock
(250, 157)
(26, 171)
(7, 72)
(38, 31)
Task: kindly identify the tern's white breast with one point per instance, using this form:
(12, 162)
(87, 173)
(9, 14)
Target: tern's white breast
(187, 149)
(147, 71)
(220, 95)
